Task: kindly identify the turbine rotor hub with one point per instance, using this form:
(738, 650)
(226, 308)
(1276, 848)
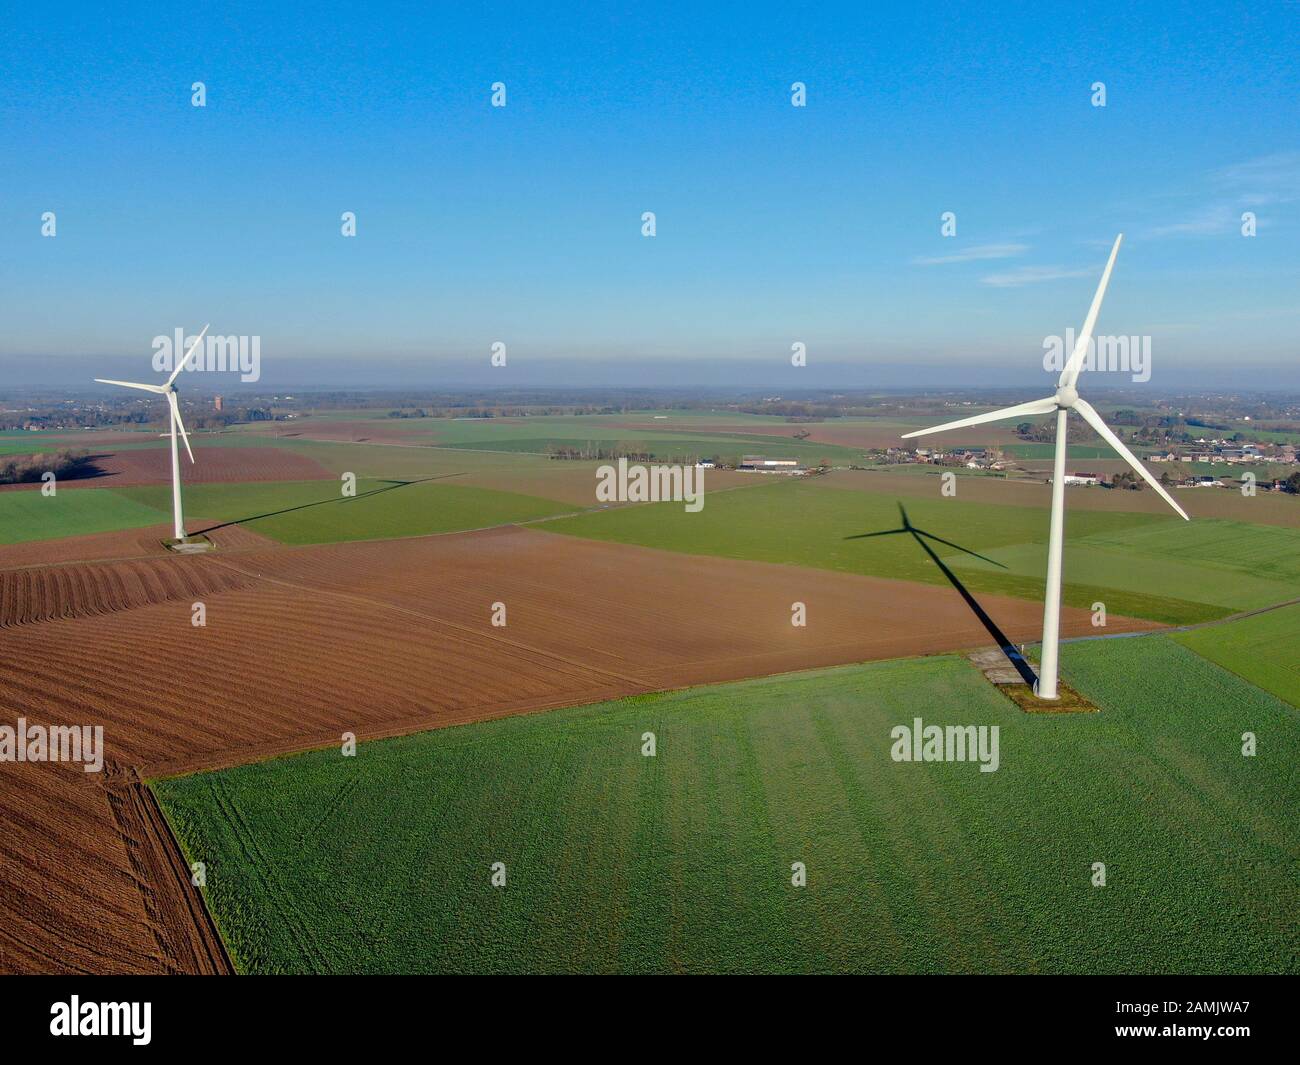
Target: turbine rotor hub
(1066, 396)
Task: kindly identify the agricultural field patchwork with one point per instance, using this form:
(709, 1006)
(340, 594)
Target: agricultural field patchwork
(747, 774)
(678, 438)
(311, 512)
(668, 447)
(376, 638)
(1226, 564)
(803, 524)
(682, 862)
(975, 486)
(568, 481)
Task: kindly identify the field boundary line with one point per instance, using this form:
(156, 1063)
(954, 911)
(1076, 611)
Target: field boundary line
(182, 925)
(251, 754)
(1167, 630)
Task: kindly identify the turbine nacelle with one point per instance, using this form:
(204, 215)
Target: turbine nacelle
(1067, 396)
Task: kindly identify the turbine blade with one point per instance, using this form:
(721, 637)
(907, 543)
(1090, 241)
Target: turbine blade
(193, 348)
(1091, 416)
(1037, 406)
(176, 413)
(131, 384)
(1074, 364)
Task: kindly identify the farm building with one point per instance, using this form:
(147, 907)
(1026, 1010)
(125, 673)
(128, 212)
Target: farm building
(762, 464)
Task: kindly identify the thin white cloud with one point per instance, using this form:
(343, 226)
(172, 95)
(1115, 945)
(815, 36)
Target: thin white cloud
(1267, 180)
(1031, 275)
(975, 253)
(1216, 218)
(1277, 174)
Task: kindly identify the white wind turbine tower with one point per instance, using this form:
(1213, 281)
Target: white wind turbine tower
(1066, 399)
(169, 390)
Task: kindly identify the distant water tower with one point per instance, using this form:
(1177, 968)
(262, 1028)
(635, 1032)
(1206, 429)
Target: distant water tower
(219, 403)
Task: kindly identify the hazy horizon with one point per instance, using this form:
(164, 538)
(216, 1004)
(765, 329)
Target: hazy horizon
(76, 375)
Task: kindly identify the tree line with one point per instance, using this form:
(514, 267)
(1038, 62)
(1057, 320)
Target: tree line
(21, 469)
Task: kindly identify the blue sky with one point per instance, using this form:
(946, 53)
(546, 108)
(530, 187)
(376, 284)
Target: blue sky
(775, 223)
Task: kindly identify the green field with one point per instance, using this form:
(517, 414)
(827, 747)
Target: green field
(801, 523)
(23, 447)
(1234, 546)
(681, 863)
(1229, 564)
(672, 447)
(85, 443)
(538, 434)
(314, 512)
(26, 514)
(1262, 648)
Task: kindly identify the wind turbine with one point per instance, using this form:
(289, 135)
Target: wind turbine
(169, 390)
(1065, 400)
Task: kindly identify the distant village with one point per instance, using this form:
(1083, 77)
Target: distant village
(1229, 452)
(974, 458)
(1212, 451)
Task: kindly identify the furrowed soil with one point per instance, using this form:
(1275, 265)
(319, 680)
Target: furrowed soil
(304, 644)
(44, 593)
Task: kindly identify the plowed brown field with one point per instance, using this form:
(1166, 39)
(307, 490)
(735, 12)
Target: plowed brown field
(125, 543)
(43, 593)
(212, 465)
(70, 900)
(303, 644)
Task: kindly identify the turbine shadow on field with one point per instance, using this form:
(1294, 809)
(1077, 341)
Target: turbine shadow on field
(90, 468)
(921, 536)
(388, 486)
